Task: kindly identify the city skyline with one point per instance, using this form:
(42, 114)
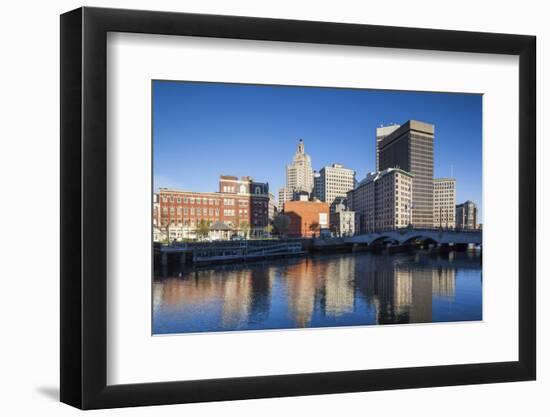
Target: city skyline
(203, 130)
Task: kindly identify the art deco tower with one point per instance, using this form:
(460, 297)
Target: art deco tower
(299, 174)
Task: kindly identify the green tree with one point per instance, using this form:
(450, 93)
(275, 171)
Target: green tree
(202, 229)
(245, 228)
(314, 227)
(166, 231)
(282, 224)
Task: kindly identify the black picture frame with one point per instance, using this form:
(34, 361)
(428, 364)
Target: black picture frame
(84, 207)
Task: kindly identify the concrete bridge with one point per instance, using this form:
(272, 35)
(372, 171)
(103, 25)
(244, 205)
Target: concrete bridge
(408, 235)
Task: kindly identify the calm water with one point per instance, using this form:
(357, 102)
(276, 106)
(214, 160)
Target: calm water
(320, 291)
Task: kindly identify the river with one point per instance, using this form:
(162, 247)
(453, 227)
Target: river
(320, 291)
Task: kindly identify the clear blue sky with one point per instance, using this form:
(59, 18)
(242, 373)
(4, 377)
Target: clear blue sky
(202, 130)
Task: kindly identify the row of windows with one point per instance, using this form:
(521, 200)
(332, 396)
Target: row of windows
(203, 200)
(191, 200)
(192, 211)
(206, 212)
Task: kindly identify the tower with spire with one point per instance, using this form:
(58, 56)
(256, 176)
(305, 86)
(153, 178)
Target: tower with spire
(299, 175)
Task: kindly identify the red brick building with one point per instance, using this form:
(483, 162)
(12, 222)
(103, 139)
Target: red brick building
(307, 218)
(242, 204)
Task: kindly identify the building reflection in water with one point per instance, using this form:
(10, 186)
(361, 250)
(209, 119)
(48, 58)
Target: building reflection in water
(401, 290)
(319, 291)
(339, 287)
(302, 281)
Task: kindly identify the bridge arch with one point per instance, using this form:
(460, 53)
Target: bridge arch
(420, 237)
(407, 235)
(386, 238)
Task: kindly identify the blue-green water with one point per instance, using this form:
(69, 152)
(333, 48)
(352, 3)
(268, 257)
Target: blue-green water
(320, 291)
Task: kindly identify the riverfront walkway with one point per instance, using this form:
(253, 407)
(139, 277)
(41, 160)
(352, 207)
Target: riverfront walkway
(231, 251)
(245, 250)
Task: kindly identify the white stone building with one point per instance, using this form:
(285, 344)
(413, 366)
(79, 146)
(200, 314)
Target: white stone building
(382, 201)
(445, 203)
(342, 220)
(285, 194)
(334, 181)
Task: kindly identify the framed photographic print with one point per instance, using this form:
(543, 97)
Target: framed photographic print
(258, 207)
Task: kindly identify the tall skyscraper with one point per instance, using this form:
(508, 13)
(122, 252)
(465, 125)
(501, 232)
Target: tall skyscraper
(381, 133)
(444, 202)
(410, 148)
(466, 215)
(334, 181)
(299, 174)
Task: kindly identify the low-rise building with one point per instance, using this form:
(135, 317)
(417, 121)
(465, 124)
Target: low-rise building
(241, 204)
(307, 218)
(342, 220)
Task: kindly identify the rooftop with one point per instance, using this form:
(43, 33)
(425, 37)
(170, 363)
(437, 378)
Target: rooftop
(414, 125)
(375, 175)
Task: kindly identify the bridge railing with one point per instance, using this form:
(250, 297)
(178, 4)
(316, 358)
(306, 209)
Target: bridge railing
(420, 229)
(251, 243)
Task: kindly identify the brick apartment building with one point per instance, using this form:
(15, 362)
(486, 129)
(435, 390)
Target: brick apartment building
(307, 218)
(242, 204)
